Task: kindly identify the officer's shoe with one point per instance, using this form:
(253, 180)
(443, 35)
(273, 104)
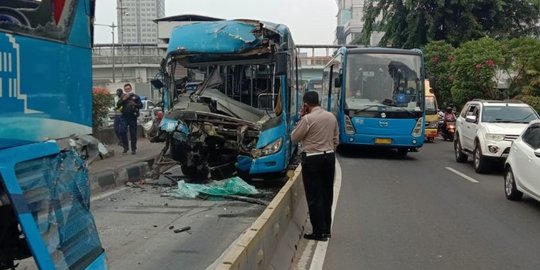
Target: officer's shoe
(316, 237)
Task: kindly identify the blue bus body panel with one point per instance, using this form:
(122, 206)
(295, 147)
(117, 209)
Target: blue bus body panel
(383, 127)
(46, 91)
(369, 129)
(219, 37)
(50, 194)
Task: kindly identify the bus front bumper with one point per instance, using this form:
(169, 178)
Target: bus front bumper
(383, 141)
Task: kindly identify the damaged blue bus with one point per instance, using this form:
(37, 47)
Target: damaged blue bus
(45, 112)
(241, 116)
(377, 95)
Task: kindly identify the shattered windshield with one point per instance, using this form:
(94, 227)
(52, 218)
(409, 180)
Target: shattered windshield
(47, 19)
(251, 84)
(388, 81)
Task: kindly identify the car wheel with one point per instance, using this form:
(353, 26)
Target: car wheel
(458, 150)
(510, 189)
(480, 163)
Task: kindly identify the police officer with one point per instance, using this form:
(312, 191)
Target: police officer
(318, 133)
(130, 104)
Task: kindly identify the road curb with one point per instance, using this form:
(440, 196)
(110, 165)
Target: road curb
(112, 178)
(270, 242)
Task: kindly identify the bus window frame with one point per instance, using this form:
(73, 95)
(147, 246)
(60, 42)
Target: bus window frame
(60, 31)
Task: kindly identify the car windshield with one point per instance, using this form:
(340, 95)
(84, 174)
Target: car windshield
(391, 81)
(508, 114)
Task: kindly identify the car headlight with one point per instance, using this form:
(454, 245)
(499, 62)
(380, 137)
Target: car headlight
(271, 148)
(494, 137)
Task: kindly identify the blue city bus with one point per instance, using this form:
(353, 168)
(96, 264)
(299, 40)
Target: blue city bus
(46, 98)
(243, 112)
(377, 96)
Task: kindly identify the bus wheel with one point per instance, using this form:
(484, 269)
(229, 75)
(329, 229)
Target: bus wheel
(402, 152)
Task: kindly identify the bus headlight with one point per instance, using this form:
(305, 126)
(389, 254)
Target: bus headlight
(271, 148)
(349, 128)
(417, 131)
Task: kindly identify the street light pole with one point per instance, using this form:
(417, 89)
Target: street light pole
(112, 26)
(121, 24)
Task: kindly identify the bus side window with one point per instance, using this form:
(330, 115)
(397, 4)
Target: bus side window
(47, 18)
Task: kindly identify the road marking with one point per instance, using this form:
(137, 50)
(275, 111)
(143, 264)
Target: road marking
(320, 251)
(107, 194)
(461, 174)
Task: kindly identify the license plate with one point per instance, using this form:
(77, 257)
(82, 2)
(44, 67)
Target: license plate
(383, 141)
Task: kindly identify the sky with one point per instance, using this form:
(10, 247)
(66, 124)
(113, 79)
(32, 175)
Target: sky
(310, 21)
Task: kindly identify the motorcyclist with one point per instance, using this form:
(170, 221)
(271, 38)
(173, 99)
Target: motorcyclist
(449, 116)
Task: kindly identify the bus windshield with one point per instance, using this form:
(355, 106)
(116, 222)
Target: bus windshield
(384, 81)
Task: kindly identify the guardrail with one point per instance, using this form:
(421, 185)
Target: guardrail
(270, 242)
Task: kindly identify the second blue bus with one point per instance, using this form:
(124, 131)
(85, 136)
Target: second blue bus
(377, 96)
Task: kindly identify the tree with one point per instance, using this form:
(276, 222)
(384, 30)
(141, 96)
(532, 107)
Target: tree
(413, 23)
(474, 68)
(101, 101)
(522, 67)
(438, 59)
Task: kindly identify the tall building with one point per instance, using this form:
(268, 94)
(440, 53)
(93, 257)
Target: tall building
(350, 22)
(135, 20)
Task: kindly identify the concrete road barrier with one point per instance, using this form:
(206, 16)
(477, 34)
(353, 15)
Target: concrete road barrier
(270, 242)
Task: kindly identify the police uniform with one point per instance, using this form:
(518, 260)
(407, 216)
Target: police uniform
(318, 133)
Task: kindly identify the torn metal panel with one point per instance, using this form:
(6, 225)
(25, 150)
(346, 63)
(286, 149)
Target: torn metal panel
(49, 192)
(222, 37)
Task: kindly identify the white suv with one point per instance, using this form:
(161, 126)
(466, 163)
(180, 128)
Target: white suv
(486, 129)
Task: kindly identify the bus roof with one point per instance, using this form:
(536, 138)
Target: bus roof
(226, 37)
(384, 50)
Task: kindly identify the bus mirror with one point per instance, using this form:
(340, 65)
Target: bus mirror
(156, 83)
(337, 82)
(281, 63)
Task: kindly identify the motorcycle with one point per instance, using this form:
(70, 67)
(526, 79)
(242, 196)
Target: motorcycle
(448, 131)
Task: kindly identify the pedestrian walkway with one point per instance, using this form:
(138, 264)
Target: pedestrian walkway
(114, 171)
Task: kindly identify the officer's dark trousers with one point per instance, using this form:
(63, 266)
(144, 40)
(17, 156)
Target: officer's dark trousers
(131, 126)
(318, 176)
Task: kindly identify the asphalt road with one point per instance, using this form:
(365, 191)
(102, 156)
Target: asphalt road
(136, 227)
(414, 213)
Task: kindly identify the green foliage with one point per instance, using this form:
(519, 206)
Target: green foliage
(474, 70)
(534, 101)
(413, 23)
(522, 65)
(101, 101)
(438, 60)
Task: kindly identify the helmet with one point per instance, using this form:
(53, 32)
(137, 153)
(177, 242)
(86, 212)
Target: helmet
(449, 109)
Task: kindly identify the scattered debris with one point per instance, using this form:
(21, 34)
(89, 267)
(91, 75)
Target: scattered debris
(231, 186)
(246, 199)
(183, 229)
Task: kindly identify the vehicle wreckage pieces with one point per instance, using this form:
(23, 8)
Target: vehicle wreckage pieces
(212, 149)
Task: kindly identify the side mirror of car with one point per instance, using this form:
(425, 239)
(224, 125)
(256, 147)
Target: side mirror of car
(470, 118)
(537, 152)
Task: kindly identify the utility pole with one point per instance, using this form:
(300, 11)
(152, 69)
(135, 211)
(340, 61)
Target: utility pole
(112, 26)
(121, 8)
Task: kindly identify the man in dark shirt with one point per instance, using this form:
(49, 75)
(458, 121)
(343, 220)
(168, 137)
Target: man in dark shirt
(131, 104)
